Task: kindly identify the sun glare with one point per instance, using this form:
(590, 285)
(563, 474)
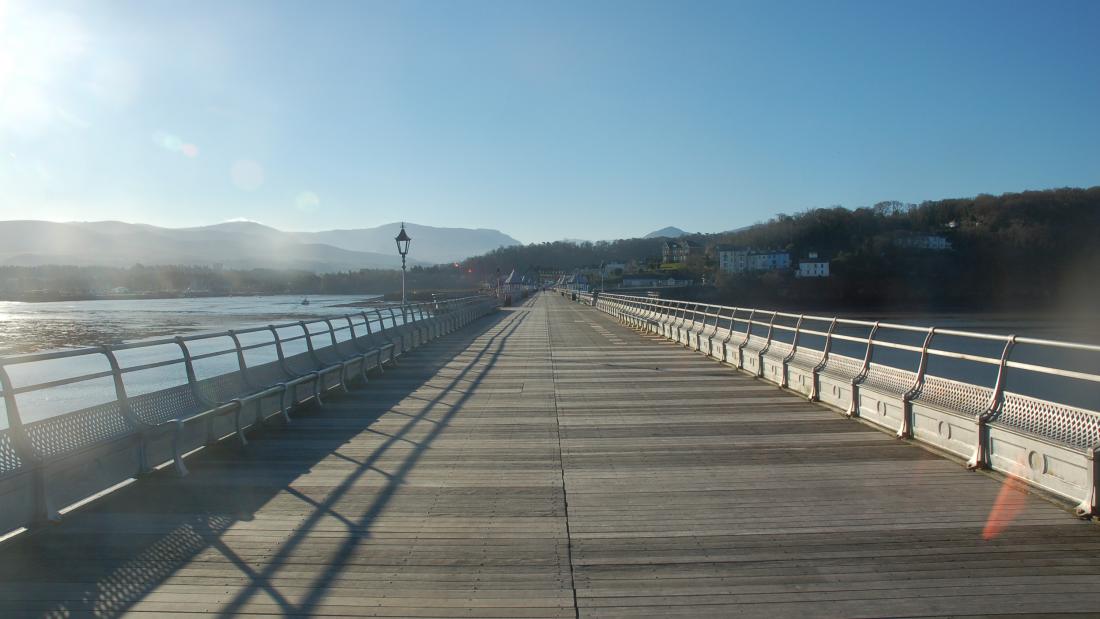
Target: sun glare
(39, 51)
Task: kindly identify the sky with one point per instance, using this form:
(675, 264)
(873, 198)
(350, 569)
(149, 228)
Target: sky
(550, 120)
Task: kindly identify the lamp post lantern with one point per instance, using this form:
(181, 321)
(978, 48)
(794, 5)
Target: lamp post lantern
(403, 239)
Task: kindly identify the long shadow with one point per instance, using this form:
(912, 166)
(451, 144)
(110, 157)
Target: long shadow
(112, 554)
(358, 529)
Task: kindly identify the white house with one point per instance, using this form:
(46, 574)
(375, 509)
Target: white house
(812, 266)
(732, 259)
(769, 260)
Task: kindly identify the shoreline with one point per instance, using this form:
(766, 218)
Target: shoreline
(154, 296)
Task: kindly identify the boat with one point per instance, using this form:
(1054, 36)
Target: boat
(305, 301)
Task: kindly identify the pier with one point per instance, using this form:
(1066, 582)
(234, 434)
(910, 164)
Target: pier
(550, 459)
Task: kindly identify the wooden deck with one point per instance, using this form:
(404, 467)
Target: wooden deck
(548, 462)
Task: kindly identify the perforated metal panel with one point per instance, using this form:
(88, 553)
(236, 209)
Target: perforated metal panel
(329, 356)
(756, 344)
(1076, 427)
(74, 431)
(951, 395)
(161, 406)
(9, 460)
(889, 380)
(266, 375)
(347, 349)
(842, 367)
(301, 363)
(778, 350)
(806, 358)
(222, 388)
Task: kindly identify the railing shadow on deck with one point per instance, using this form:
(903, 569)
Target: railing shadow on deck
(107, 585)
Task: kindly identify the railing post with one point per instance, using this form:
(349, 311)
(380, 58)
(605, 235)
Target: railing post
(745, 342)
(43, 510)
(906, 430)
(343, 363)
(279, 351)
(189, 367)
(240, 358)
(331, 332)
(794, 349)
(729, 335)
(767, 345)
(853, 408)
(309, 346)
(996, 400)
(815, 388)
(138, 426)
(385, 335)
(192, 385)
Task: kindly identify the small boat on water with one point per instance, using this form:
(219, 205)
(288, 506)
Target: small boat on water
(305, 301)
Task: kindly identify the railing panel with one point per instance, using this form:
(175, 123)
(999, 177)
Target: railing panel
(148, 369)
(57, 386)
(965, 359)
(1058, 374)
(213, 356)
(91, 418)
(850, 339)
(319, 335)
(258, 348)
(292, 340)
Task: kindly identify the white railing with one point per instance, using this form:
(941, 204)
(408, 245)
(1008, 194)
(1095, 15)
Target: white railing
(1026, 407)
(79, 422)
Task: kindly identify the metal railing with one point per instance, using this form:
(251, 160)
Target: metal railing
(79, 422)
(1024, 406)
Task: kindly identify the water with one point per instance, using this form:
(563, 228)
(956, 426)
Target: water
(33, 327)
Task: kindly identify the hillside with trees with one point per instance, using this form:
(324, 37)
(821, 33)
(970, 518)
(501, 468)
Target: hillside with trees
(1029, 250)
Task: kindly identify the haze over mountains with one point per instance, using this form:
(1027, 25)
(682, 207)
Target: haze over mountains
(240, 245)
(670, 232)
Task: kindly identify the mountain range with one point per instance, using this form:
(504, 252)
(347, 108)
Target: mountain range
(670, 232)
(238, 245)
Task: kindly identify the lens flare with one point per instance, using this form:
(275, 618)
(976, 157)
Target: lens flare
(307, 201)
(175, 144)
(1006, 508)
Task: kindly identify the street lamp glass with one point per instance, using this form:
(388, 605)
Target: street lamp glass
(403, 240)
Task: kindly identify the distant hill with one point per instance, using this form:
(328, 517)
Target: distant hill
(429, 244)
(669, 232)
(238, 245)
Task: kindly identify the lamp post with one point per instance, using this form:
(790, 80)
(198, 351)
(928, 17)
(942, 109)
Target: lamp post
(403, 239)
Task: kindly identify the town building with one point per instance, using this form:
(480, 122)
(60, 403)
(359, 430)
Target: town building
(613, 268)
(812, 266)
(653, 281)
(933, 242)
(769, 261)
(732, 259)
(677, 252)
(739, 260)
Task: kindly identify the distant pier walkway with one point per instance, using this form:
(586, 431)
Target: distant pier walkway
(546, 461)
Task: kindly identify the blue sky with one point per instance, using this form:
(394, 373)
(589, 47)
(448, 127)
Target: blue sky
(544, 120)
